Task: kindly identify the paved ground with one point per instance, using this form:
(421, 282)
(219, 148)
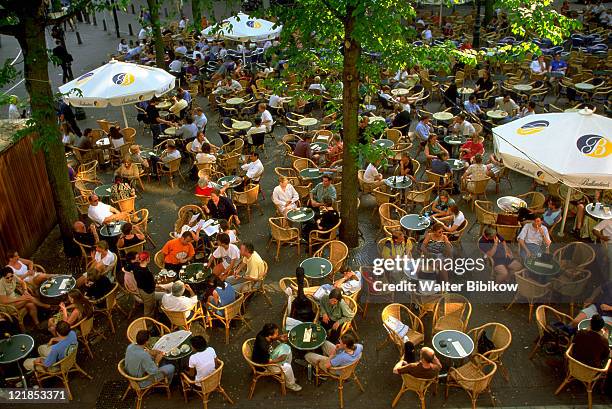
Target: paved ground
(532, 383)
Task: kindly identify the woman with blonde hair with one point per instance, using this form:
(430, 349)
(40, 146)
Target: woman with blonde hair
(284, 196)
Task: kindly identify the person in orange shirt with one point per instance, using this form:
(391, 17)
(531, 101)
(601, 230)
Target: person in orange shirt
(178, 252)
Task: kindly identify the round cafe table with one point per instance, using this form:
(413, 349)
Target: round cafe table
(103, 191)
(415, 222)
(317, 337)
(307, 121)
(190, 273)
(166, 276)
(542, 270)
(453, 344)
(443, 116)
(319, 147)
(241, 125)
(57, 286)
(102, 142)
(465, 92)
(162, 106)
(457, 164)
(300, 215)
(234, 101)
(311, 173)
(400, 91)
(316, 267)
(599, 212)
(231, 180)
(384, 143)
(497, 114)
(522, 87)
(510, 204)
(454, 141)
(398, 182)
(586, 324)
(584, 86)
(113, 230)
(171, 130)
(14, 349)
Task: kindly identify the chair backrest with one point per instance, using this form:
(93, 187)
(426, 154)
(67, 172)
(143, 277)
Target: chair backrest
(247, 353)
(403, 314)
(280, 230)
(498, 333)
(303, 163)
(583, 372)
(140, 219)
(529, 288)
(454, 305)
(248, 196)
(145, 323)
(211, 382)
(479, 384)
(422, 194)
(484, 215)
(579, 254)
(67, 363)
(479, 187)
(344, 372)
(133, 381)
(338, 251)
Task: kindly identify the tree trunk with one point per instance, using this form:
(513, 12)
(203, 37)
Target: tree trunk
(31, 38)
(157, 36)
(196, 12)
(488, 11)
(349, 229)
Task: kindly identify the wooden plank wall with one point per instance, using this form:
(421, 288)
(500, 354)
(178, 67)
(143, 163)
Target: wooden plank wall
(27, 213)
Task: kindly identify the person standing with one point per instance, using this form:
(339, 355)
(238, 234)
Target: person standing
(65, 61)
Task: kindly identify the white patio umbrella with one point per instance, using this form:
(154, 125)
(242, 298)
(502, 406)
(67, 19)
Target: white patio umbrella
(117, 83)
(243, 29)
(573, 148)
(447, 3)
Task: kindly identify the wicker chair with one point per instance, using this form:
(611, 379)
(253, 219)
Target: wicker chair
(416, 330)
(501, 337)
(571, 285)
(421, 195)
(382, 196)
(338, 251)
(385, 212)
(440, 182)
(107, 304)
(452, 311)
(341, 374)
(140, 219)
(283, 234)
(484, 215)
(508, 231)
(417, 385)
(247, 199)
(179, 320)
(477, 188)
(227, 314)
(588, 375)
(303, 163)
(206, 386)
(145, 323)
(173, 167)
(229, 163)
(273, 371)
(141, 391)
(85, 328)
(61, 369)
(474, 377)
(365, 187)
(534, 200)
(503, 174)
(545, 316)
(529, 289)
(319, 237)
(574, 256)
(127, 205)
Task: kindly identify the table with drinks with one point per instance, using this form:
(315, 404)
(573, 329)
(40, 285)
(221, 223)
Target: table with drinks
(452, 344)
(599, 211)
(398, 182)
(415, 222)
(15, 348)
(542, 267)
(104, 191)
(316, 267)
(307, 336)
(57, 286)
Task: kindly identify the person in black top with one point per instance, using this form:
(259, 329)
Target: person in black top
(591, 345)
(328, 218)
(483, 84)
(155, 121)
(98, 285)
(65, 61)
(263, 350)
(65, 114)
(450, 95)
(220, 207)
(145, 282)
(301, 307)
(130, 235)
(402, 117)
(83, 235)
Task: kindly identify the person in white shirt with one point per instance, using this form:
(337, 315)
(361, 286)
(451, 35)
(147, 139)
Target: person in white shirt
(528, 110)
(507, 104)
(462, 127)
(427, 35)
(532, 238)
(102, 263)
(538, 66)
(183, 22)
(254, 169)
(266, 117)
(168, 155)
(316, 85)
(204, 156)
(13, 111)
(457, 218)
(275, 101)
(228, 253)
(350, 282)
(200, 141)
(176, 301)
(203, 362)
(101, 213)
(228, 86)
(200, 119)
(178, 105)
(284, 196)
(372, 175)
(176, 66)
(122, 47)
(257, 128)
(143, 33)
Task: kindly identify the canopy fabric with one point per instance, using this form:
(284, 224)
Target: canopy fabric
(448, 3)
(243, 28)
(117, 83)
(573, 148)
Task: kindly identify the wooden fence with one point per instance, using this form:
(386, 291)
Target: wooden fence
(27, 213)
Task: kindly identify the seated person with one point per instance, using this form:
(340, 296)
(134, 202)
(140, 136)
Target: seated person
(254, 269)
(428, 366)
(96, 285)
(130, 235)
(423, 129)
(224, 227)
(51, 354)
(591, 345)
(327, 218)
(321, 190)
(127, 171)
(203, 361)
(205, 187)
(495, 247)
(228, 254)
(177, 301)
(168, 155)
(552, 213)
(558, 65)
(398, 246)
(188, 130)
(433, 148)
(599, 302)
(220, 207)
(101, 213)
(456, 217)
(472, 107)
(335, 312)
(136, 157)
(343, 354)
(254, 170)
(24, 270)
(284, 196)
(372, 175)
(506, 104)
(494, 166)
(462, 127)
(303, 150)
(538, 65)
(14, 291)
(474, 146)
(270, 348)
(334, 150)
(178, 252)
(476, 171)
(436, 245)
(265, 116)
(533, 239)
(406, 167)
(205, 155)
(103, 263)
(223, 294)
(258, 128)
(141, 361)
(227, 86)
(84, 235)
(350, 282)
(440, 205)
(441, 167)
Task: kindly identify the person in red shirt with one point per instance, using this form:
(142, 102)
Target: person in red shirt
(204, 187)
(471, 148)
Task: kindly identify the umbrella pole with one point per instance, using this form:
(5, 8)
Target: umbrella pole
(124, 117)
(565, 209)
